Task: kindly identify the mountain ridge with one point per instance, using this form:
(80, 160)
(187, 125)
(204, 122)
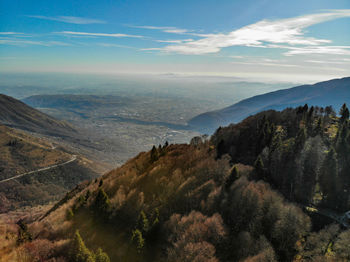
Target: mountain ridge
(317, 94)
(16, 114)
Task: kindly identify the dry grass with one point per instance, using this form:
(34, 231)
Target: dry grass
(9, 251)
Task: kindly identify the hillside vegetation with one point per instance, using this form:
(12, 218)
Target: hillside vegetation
(21, 153)
(16, 114)
(237, 197)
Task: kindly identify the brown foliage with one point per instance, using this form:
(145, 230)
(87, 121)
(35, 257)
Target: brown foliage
(194, 237)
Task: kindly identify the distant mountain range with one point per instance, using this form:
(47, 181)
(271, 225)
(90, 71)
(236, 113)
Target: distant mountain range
(333, 92)
(14, 113)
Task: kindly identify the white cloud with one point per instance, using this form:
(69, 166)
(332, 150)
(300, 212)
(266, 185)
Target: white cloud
(10, 33)
(341, 62)
(165, 29)
(17, 42)
(330, 50)
(97, 34)
(115, 45)
(288, 31)
(70, 19)
(180, 41)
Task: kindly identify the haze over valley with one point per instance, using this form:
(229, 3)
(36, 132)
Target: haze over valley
(174, 131)
(122, 116)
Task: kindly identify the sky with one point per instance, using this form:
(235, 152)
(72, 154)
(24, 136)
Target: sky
(268, 40)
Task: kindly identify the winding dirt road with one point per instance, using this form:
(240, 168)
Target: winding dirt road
(74, 157)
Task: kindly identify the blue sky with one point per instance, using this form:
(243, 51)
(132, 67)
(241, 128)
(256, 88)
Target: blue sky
(253, 39)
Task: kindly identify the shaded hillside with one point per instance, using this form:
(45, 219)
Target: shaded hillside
(15, 113)
(22, 153)
(333, 92)
(217, 200)
(75, 101)
(302, 152)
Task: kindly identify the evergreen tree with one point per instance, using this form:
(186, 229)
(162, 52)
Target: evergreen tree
(308, 179)
(319, 128)
(154, 154)
(259, 168)
(87, 196)
(300, 139)
(220, 149)
(69, 214)
(23, 233)
(102, 203)
(305, 108)
(265, 131)
(78, 251)
(344, 113)
(138, 240)
(329, 111)
(155, 218)
(231, 178)
(143, 223)
(342, 145)
(329, 178)
(101, 256)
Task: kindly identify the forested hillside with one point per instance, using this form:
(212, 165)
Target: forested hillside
(240, 196)
(304, 153)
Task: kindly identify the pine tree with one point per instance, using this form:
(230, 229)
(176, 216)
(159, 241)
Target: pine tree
(87, 196)
(155, 217)
(23, 233)
(329, 111)
(154, 154)
(259, 168)
(101, 256)
(329, 177)
(102, 203)
(143, 223)
(344, 113)
(300, 139)
(231, 178)
(319, 128)
(69, 214)
(78, 251)
(138, 240)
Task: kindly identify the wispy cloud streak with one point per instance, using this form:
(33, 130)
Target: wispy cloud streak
(165, 29)
(69, 19)
(84, 34)
(18, 42)
(10, 33)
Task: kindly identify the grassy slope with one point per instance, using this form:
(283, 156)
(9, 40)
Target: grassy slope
(21, 152)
